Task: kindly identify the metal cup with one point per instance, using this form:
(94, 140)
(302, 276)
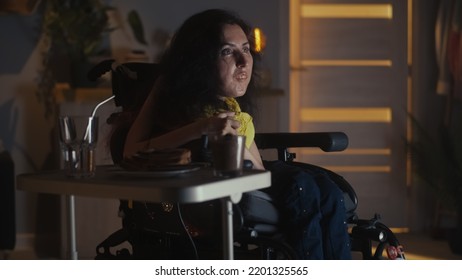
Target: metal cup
(227, 154)
(78, 136)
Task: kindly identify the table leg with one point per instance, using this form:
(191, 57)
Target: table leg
(227, 220)
(71, 228)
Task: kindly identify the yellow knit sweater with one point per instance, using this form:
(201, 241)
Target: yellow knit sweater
(247, 128)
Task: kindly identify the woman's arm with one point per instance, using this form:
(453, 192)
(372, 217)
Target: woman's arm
(140, 134)
(253, 154)
(136, 142)
(141, 129)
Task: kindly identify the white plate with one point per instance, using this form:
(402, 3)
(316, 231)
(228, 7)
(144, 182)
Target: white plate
(161, 172)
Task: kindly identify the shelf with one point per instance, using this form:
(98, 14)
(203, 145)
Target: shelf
(64, 93)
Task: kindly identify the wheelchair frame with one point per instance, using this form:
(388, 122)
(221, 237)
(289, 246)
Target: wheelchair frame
(370, 237)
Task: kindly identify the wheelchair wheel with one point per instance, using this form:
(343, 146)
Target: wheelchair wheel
(393, 249)
(264, 248)
(375, 241)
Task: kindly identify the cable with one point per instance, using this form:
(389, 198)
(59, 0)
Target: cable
(187, 232)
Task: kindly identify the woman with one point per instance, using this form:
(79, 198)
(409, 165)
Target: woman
(207, 68)
(196, 83)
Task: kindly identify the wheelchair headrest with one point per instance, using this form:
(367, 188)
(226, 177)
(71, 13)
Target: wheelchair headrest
(131, 82)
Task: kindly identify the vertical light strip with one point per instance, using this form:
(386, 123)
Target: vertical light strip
(409, 127)
(294, 29)
(409, 106)
(409, 32)
(258, 40)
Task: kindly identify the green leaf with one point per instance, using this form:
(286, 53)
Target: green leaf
(137, 26)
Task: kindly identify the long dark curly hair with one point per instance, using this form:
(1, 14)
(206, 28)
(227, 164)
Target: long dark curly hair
(189, 69)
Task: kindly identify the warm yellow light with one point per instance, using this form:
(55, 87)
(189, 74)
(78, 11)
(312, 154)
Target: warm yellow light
(347, 62)
(341, 114)
(349, 152)
(359, 168)
(260, 40)
(347, 11)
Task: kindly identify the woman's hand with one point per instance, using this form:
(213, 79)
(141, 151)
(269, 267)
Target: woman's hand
(220, 124)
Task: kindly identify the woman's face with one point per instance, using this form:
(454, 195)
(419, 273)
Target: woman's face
(235, 61)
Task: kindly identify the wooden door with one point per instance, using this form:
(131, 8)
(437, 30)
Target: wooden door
(349, 72)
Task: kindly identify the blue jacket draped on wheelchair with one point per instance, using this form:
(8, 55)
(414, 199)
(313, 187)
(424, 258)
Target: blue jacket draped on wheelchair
(192, 231)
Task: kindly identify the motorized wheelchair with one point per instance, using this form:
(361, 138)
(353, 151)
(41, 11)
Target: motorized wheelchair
(192, 231)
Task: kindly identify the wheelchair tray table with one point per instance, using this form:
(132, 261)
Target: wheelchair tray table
(191, 187)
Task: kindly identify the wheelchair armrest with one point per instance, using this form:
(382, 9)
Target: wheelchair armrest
(326, 141)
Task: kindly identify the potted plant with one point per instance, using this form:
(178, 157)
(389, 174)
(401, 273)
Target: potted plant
(437, 162)
(74, 30)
